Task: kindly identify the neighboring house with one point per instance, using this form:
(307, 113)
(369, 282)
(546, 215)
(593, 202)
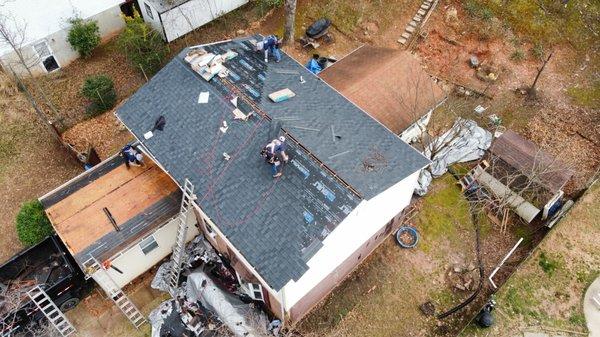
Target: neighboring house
(125, 218)
(390, 85)
(523, 176)
(175, 18)
(45, 29)
(291, 240)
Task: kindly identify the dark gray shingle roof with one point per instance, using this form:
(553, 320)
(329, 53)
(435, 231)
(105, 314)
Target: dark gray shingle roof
(277, 225)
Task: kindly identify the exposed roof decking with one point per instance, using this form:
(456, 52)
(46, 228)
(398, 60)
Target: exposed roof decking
(277, 225)
(79, 219)
(389, 84)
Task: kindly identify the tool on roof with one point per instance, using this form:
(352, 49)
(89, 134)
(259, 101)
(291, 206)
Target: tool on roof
(281, 95)
(224, 127)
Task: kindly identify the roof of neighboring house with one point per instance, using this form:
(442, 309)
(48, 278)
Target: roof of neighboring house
(387, 83)
(140, 199)
(339, 154)
(530, 160)
(39, 18)
(162, 6)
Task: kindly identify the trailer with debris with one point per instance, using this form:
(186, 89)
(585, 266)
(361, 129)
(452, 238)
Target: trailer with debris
(48, 267)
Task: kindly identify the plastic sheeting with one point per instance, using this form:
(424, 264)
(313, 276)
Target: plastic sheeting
(158, 315)
(464, 142)
(242, 319)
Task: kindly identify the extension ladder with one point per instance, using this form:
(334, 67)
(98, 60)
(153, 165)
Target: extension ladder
(95, 270)
(179, 247)
(51, 311)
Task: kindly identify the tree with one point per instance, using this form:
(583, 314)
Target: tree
(32, 223)
(83, 36)
(100, 90)
(532, 89)
(290, 18)
(142, 45)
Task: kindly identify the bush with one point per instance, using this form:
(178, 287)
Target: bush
(32, 224)
(101, 91)
(517, 55)
(142, 45)
(84, 36)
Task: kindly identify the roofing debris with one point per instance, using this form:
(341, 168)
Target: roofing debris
(464, 142)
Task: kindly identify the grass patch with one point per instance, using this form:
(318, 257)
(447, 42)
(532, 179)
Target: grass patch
(342, 13)
(548, 265)
(444, 208)
(577, 319)
(587, 97)
(517, 55)
(478, 10)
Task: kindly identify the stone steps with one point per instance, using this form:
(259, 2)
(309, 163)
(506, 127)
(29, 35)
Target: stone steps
(417, 21)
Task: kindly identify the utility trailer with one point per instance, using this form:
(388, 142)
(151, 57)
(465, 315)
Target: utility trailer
(48, 268)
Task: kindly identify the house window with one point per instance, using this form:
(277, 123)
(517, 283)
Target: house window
(148, 11)
(45, 55)
(148, 244)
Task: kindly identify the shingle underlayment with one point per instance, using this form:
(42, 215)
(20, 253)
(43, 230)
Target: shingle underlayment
(276, 224)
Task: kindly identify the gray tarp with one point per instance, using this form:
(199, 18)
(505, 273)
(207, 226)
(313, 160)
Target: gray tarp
(464, 142)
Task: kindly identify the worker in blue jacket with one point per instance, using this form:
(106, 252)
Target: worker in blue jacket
(313, 65)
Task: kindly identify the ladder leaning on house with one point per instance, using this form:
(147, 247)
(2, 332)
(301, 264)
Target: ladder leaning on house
(180, 239)
(94, 269)
(51, 311)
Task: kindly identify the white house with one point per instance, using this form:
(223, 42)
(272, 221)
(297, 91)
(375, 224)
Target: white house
(291, 239)
(42, 28)
(401, 95)
(175, 18)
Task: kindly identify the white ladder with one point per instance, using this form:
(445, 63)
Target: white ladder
(179, 247)
(51, 311)
(93, 269)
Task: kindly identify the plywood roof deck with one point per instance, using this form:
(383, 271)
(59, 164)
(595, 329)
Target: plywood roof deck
(130, 194)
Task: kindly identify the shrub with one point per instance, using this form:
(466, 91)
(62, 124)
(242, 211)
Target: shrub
(517, 55)
(83, 36)
(142, 45)
(32, 224)
(100, 91)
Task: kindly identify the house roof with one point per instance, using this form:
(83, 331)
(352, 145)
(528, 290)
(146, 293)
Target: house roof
(140, 199)
(527, 158)
(39, 19)
(387, 83)
(276, 224)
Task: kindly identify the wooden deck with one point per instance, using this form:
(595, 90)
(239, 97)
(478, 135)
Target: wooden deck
(79, 218)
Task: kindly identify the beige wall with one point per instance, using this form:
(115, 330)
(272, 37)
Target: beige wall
(109, 22)
(133, 262)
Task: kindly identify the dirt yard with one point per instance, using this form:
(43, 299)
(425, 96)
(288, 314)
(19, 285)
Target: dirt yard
(546, 293)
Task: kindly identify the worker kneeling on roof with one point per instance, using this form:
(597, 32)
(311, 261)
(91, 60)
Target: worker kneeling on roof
(132, 156)
(274, 153)
(270, 44)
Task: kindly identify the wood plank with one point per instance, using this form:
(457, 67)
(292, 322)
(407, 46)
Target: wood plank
(128, 200)
(91, 193)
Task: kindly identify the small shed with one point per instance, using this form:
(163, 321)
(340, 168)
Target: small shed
(520, 167)
(390, 85)
(175, 18)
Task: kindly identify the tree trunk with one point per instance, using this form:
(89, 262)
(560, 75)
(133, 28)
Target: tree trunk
(290, 18)
(532, 89)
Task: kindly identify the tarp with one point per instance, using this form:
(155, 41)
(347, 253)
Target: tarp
(464, 142)
(158, 315)
(240, 318)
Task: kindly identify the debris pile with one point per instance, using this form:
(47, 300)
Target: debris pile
(208, 300)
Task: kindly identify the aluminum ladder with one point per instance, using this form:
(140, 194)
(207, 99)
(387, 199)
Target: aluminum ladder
(51, 311)
(179, 247)
(93, 269)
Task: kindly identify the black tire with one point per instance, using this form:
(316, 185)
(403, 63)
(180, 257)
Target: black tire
(69, 304)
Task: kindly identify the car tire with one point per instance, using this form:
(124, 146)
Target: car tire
(69, 304)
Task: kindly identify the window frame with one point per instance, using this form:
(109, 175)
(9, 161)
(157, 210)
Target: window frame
(43, 58)
(148, 10)
(145, 245)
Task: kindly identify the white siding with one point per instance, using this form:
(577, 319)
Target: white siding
(153, 21)
(368, 218)
(133, 262)
(183, 19)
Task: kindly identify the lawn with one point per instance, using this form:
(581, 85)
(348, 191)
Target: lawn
(546, 292)
(382, 297)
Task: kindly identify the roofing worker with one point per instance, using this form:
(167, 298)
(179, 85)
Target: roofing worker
(271, 44)
(276, 167)
(313, 65)
(132, 156)
(269, 151)
(280, 147)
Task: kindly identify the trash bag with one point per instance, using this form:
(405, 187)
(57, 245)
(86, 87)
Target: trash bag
(318, 27)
